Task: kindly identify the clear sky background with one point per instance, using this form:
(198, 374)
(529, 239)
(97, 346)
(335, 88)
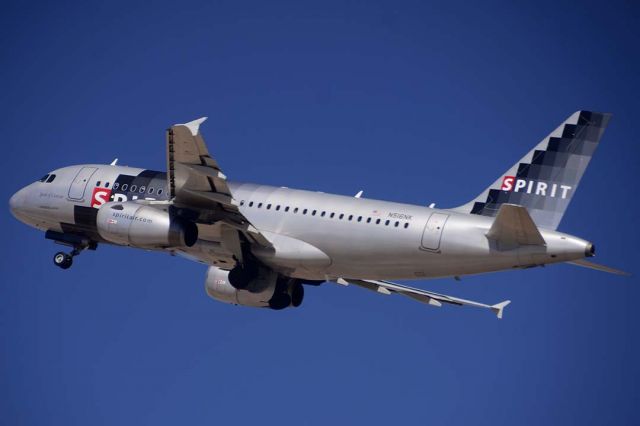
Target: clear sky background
(415, 102)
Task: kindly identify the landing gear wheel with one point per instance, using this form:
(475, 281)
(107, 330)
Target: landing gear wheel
(297, 295)
(280, 301)
(62, 260)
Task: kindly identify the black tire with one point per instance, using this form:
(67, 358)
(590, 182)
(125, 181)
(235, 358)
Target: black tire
(297, 294)
(62, 260)
(280, 301)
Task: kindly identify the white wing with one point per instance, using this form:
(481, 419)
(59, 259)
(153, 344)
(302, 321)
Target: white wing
(428, 297)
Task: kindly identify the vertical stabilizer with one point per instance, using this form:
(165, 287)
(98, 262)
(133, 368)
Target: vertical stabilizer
(545, 179)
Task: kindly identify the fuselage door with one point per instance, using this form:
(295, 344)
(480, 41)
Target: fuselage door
(79, 184)
(433, 231)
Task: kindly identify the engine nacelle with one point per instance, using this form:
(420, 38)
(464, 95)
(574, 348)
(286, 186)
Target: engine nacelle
(276, 292)
(218, 287)
(133, 224)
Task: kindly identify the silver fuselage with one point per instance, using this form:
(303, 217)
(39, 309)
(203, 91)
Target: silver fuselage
(316, 236)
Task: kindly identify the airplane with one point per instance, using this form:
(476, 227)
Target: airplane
(263, 244)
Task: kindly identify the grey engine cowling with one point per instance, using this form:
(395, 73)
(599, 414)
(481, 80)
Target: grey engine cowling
(268, 290)
(133, 224)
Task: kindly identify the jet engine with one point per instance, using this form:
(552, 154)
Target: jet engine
(269, 290)
(132, 224)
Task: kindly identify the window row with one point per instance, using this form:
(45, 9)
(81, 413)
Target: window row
(133, 188)
(324, 213)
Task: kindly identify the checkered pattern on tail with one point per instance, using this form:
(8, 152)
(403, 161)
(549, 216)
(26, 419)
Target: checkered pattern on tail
(545, 179)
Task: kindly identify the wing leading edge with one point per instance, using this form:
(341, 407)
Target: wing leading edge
(424, 296)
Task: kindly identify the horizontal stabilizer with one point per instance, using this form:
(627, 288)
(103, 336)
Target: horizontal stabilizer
(590, 265)
(514, 227)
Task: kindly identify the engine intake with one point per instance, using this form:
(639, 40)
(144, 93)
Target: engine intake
(133, 224)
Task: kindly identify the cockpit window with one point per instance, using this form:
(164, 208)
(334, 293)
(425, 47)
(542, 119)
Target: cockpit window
(51, 178)
(43, 178)
(117, 207)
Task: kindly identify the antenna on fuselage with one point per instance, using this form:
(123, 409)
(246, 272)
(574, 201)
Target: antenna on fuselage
(114, 162)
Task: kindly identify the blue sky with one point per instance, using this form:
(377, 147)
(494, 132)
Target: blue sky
(415, 102)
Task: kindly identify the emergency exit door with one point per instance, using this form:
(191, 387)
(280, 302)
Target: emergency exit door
(79, 184)
(433, 231)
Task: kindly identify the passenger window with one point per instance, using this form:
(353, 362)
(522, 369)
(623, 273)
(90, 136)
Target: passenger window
(341, 216)
(116, 185)
(313, 213)
(378, 222)
(151, 190)
(159, 191)
(368, 220)
(259, 205)
(396, 224)
(304, 211)
(359, 218)
(295, 210)
(251, 204)
(51, 178)
(278, 207)
(332, 215)
(142, 189)
(350, 216)
(133, 188)
(98, 183)
(286, 209)
(242, 203)
(106, 185)
(406, 225)
(386, 223)
(124, 187)
(268, 206)
(322, 214)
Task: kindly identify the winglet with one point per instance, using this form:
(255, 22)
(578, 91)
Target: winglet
(359, 194)
(194, 125)
(499, 307)
(114, 162)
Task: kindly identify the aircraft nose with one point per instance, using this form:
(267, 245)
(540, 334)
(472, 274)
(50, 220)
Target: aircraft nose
(15, 202)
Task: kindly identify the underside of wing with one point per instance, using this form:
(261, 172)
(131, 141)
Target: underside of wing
(424, 296)
(198, 189)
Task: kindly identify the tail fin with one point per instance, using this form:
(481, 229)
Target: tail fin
(545, 179)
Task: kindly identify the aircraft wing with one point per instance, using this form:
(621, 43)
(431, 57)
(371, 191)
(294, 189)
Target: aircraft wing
(428, 297)
(198, 188)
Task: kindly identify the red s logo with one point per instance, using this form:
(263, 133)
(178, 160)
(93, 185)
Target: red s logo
(100, 196)
(507, 183)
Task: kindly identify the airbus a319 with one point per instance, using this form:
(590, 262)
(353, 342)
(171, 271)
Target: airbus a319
(263, 244)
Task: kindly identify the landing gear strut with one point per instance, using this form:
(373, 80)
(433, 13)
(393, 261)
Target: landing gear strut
(76, 242)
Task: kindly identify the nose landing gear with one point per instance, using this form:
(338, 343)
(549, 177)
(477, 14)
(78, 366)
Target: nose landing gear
(65, 260)
(78, 243)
